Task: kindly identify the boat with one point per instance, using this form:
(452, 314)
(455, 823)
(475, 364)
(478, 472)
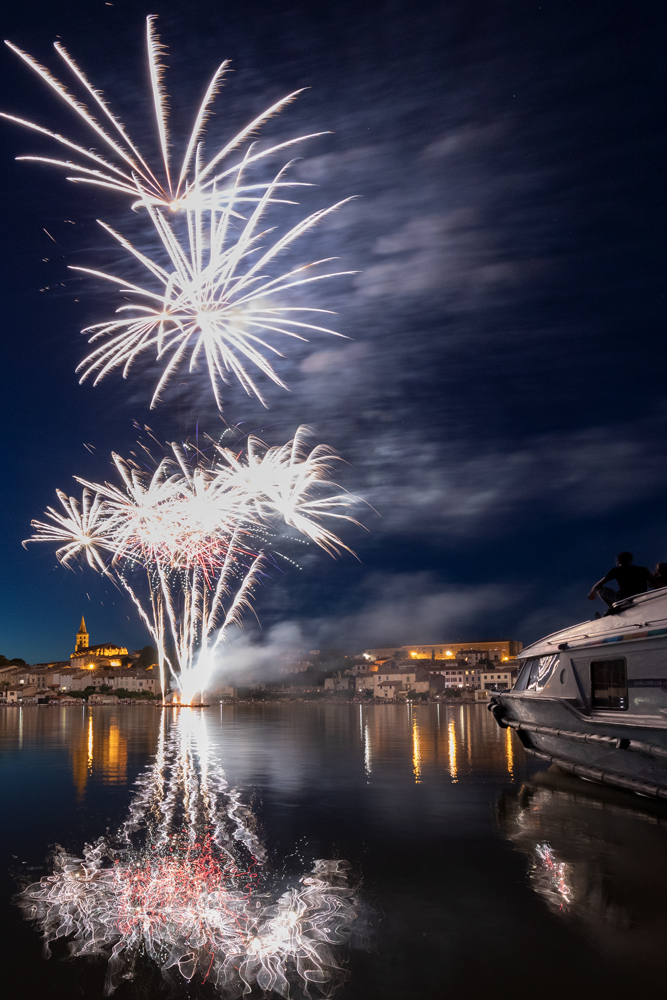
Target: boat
(592, 698)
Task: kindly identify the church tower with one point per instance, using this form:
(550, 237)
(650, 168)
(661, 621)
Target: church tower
(82, 637)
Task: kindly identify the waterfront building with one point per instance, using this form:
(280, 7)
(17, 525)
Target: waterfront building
(25, 682)
(498, 678)
(473, 657)
(134, 679)
(105, 654)
(461, 675)
(388, 689)
(11, 676)
(407, 676)
(294, 660)
(343, 683)
(495, 649)
(398, 681)
(40, 677)
(14, 695)
(447, 673)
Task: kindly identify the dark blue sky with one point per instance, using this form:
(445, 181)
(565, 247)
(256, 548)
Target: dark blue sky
(502, 402)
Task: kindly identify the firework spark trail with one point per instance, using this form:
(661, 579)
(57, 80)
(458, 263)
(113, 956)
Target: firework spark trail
(186, 776)
(195, 532)
(169, 887)
(128, 171)
(216, 302)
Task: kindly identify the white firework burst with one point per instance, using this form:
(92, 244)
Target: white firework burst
(197, 529)
(215, 303)
(124, 169)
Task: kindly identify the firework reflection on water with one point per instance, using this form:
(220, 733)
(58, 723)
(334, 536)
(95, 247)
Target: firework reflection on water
(185, 883)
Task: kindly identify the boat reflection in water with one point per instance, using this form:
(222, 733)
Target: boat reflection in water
(596, 856)
(185, 881)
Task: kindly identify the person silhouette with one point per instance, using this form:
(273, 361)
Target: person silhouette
(631, 580)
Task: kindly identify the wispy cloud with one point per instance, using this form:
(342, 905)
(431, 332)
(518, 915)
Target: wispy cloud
(389, 608)
(411, 607)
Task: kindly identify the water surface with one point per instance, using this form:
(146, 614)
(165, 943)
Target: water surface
(482, 873)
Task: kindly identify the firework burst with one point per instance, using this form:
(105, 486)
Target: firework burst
(214, 304)
(212, 300)
(126, 170)
(197, 530)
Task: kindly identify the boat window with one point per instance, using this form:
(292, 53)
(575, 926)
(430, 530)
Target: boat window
(609, 684)
(522, 676)
(541, 669)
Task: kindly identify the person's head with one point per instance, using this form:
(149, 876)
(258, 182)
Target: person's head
(661, 570)
(624, 558)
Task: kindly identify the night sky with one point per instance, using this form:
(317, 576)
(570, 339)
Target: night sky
(501, 402)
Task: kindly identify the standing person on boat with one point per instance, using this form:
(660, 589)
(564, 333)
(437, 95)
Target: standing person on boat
(631, 580)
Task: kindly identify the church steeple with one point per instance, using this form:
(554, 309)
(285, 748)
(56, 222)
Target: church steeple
(82, 636)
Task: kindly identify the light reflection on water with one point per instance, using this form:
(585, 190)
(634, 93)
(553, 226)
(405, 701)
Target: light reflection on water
(451, 746)
(432, 738)
(95, 739)
(428, 737)
(465, 847)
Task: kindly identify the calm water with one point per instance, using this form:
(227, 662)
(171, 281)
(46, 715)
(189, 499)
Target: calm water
(482, 873)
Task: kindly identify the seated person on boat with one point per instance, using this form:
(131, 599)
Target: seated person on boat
(631, 580)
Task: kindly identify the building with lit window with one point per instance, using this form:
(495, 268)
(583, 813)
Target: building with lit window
(105, 654)
(394, 681)
(495, 649)
(498, 679)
